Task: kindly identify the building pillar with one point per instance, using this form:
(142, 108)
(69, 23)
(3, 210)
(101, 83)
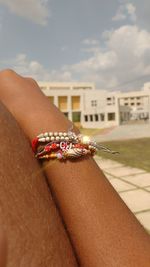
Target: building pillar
(117, 111)
(56, 100)
(69, 107)
(81, 108)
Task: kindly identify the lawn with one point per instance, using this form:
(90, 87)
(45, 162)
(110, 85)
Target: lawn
(134, 153)
(90, 131)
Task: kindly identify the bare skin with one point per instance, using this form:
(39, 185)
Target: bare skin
(3, 249)
(34, 230)
(102, 229)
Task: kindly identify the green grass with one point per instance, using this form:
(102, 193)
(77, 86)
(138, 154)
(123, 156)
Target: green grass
(90, 131)
(134, 153)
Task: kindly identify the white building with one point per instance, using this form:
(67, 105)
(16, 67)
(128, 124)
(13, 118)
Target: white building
(93, 108)
(138, 101)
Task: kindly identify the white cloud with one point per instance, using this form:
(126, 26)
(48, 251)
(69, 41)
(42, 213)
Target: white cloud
(90, 45)
(131, 9)
(90, 42)
(125, 11)
(99, 61)
(24, 66)
(32, 68)
(119, 15)
(125, 57)
(34, 10)
(61, 76)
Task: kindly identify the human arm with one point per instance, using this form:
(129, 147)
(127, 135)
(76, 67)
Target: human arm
(102, 229)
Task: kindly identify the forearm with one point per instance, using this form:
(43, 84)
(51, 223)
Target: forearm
(99, 223)
(32, 225)
(3, 249)
(103, 231)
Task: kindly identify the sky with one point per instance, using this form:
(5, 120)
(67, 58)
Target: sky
(100, 41)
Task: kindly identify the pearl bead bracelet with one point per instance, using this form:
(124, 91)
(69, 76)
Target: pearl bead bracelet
(63, 145)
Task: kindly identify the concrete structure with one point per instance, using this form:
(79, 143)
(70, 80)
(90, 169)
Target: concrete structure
(102, 109)
(92, 108)
(139, 103)
(68, 97)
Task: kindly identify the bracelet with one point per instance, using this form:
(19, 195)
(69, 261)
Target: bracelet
(63, 145)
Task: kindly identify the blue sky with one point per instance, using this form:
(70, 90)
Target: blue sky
(101, 41)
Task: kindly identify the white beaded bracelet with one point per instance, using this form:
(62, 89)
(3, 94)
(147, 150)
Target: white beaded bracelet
(64, 145)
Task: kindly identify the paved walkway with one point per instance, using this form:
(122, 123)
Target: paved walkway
(133, 186)
(123, 132)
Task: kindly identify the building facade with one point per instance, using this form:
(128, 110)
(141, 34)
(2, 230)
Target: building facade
(138, 102)
(93, 108)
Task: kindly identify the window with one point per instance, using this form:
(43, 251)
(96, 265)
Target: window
(126, 104)
(94, 103)
(75, 102)
(132, 104)
(86, 117)
(91, 117)
(111, 116)
(110, 101)
(138, 103)
(102, 116)
(96, 117)
(62, 102)
(76, 116)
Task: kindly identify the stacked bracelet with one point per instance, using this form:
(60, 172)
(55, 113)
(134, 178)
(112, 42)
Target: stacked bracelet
(63, 145)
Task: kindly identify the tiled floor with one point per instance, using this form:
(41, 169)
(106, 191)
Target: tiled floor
(133, 186)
